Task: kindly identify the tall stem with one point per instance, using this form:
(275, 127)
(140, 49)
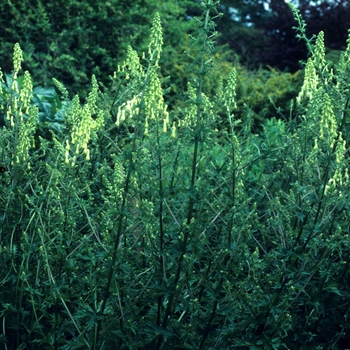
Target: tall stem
(205, 48)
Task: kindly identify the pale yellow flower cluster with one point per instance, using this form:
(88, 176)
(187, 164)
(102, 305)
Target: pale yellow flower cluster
(17, 60)
(155, 106)
(315, 67)
(310, 82)
(151, 99)
(230, 92)
(328, 123)
(21, 114)
(127, 109)
(84, 126)
(318, 99)
(156, 40)
(131, 65)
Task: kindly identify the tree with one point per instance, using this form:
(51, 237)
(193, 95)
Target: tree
(73, 39)
(261, 32)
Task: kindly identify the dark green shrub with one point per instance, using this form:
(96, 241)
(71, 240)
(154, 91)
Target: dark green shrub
(268, 93)
(71, 40)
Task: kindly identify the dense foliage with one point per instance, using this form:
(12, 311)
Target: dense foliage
(126, 225)
(264, 36)
(71, 40)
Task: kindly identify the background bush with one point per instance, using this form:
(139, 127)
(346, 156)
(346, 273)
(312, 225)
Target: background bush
(267, 92)
(73, 39)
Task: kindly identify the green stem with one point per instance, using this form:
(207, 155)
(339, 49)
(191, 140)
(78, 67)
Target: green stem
(192, 188)
(114, 256)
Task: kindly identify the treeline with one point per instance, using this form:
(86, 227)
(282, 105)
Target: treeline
(73, 39)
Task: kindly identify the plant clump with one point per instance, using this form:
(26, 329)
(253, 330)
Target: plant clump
(125, 225)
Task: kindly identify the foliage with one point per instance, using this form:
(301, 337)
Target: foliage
(266, 93)
(71, 40)
(264, 36)
(133, 228)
